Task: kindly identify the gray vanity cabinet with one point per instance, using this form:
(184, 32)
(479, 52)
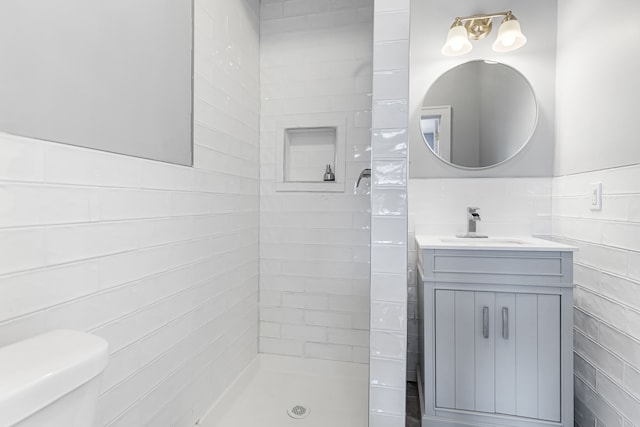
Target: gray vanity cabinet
(496, 337)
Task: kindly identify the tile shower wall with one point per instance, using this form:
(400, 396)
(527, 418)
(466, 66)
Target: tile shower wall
(160, 260)
(314, 262)
(607, 294)
(508, 206)
(387, 370)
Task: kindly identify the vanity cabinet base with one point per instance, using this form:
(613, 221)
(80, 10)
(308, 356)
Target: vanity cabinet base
(497, 338)
(457, 422)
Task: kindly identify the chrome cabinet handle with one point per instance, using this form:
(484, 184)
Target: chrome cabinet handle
(505, 323)
(485, 322)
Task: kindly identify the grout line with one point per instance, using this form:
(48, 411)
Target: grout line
(122, 285)
(202, 327)
(61, 184)
(167, 377)
(137, 249)
(607, 169)
(125, 220)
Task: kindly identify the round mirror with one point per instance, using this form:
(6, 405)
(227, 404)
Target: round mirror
(478, 114)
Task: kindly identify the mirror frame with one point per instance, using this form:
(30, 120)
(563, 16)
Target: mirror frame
(524, 143)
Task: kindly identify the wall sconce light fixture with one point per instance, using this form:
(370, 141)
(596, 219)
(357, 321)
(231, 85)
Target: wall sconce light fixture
(477, 27)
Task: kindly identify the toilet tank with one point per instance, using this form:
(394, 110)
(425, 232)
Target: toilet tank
(51, 379)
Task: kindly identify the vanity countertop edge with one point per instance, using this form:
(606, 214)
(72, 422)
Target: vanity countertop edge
(494, 243)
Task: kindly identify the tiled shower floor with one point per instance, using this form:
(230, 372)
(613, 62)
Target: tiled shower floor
(334, 393)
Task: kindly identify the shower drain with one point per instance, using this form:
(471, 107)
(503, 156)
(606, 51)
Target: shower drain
(298, 412)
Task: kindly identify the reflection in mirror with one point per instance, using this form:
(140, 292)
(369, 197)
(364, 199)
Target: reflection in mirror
(478, 114)
(435, 126)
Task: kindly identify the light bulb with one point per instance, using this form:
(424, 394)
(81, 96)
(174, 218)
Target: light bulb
(510, 36)
(508, 41)
(457, 41)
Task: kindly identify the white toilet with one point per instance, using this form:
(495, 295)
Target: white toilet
(51, 380)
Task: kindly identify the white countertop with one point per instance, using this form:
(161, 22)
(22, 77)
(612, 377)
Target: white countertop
(492, 243)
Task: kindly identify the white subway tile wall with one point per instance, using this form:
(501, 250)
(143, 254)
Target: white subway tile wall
(607, 304)
(316, 68)
(508, 206)
(161, 260)
(388, 353)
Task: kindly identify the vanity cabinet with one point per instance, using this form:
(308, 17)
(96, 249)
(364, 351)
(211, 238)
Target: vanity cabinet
(496, 335)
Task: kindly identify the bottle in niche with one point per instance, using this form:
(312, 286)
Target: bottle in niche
(329, 175)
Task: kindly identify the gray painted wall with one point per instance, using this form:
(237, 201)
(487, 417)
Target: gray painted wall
(598, 91)
(113, 75)
(430, 21)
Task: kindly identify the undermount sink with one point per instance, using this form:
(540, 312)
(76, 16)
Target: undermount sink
(486, 241)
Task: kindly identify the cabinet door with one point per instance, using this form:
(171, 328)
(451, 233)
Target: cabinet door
(527, 331)
(498, 353)
(464, 350)
(549, 357)
(445, 349)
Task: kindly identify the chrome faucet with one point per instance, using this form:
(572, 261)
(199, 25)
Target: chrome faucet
(472, 218)
(366, 173)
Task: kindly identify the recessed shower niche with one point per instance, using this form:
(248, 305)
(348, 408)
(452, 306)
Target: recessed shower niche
(306, 149)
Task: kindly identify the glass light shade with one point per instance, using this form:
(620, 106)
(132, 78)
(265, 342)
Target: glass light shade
(457, 42)
(510, 37)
